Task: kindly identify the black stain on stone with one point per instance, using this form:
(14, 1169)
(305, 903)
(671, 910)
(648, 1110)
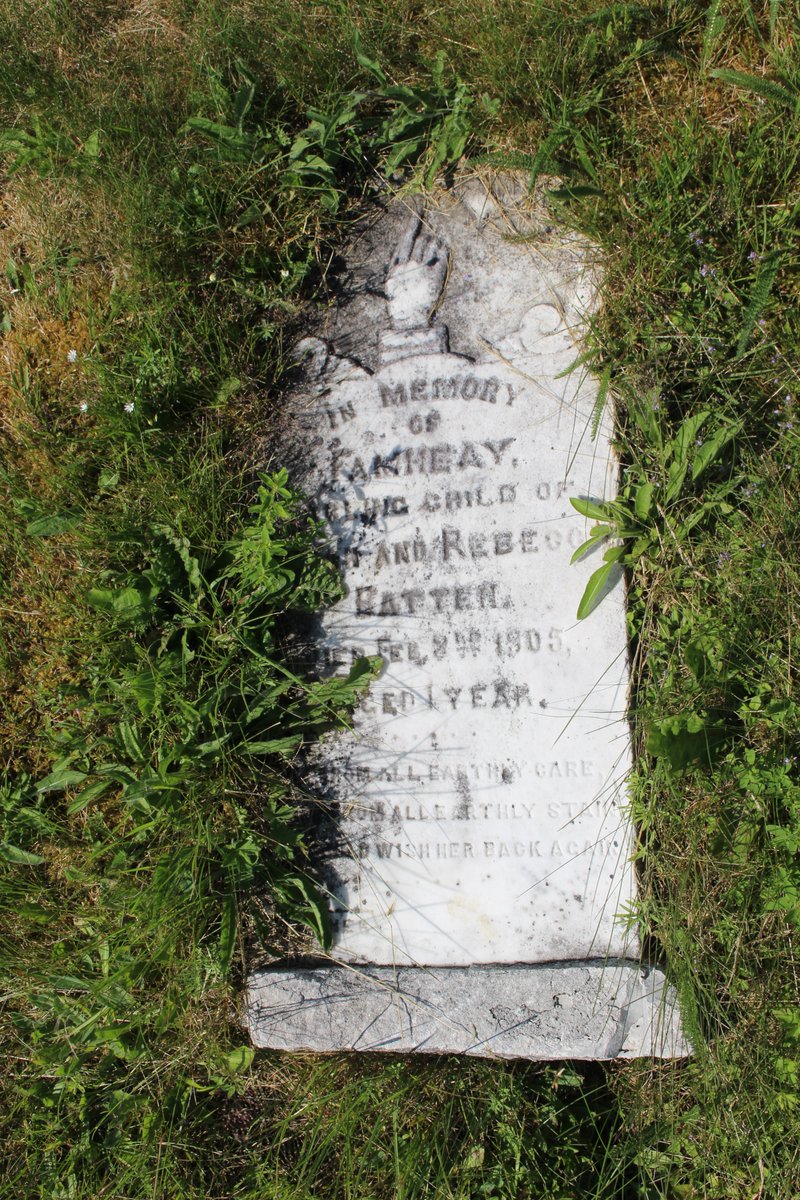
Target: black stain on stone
(465, 796)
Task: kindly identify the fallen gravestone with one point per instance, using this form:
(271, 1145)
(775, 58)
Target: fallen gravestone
(481, 858)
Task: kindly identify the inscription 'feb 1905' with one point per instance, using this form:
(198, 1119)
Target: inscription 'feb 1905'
(479, 790)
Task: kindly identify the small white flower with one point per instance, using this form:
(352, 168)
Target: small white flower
(129, 407)
(84, 407)
(72, 356)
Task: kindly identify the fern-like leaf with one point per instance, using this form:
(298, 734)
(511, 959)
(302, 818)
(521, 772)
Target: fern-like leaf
(767, 88)
(759, 295)
(774, 6)
(543, 159)
(715, 23)
(600, 402)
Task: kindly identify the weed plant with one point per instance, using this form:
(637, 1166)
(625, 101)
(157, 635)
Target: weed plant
(174, 178)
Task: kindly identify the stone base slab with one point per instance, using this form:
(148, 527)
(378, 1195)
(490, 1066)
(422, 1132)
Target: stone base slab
(583, 1010)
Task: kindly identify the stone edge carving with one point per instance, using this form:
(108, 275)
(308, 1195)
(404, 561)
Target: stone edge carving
(597, 1010)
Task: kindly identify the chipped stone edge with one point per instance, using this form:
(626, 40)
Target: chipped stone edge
(594, 1010)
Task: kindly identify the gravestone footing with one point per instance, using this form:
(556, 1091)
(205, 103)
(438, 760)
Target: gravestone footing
(597, 1009)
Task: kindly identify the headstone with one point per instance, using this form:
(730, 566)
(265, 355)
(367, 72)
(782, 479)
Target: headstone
(479, 860)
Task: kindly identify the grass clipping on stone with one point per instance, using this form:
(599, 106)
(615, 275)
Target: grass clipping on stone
(173, 183)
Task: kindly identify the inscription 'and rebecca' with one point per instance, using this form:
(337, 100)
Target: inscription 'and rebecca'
(454, 545)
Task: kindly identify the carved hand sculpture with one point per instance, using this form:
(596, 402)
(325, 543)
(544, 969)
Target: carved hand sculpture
(414, 284)
(416, 277)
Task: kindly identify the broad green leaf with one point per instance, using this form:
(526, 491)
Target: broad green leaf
(595, 537)
(239, 1060)
(117, 772)
(369, 64)
(265, 701)
(68, 983)
(87, 795)
(128, 602)
(672, 739)
(136, 799)
(109, 1035)
(643, 500)
(230, 386)
(13, 854)
(91, 147)
(59, 780)
(711, 447)
(132, 742)
(50, 526)
(679, 446)
(590, 508)
(199, 1087)
(213, 128)
(640, 546)
(143, 689)
(227, 931)
(242, 144)
(108, 480)
(212, 746)
(243, 101)
(341, 692)
(678, 449)
(645, 411)
(593, 593)
(101, 598)
(173, 564)
(281, 745)
(35, 912)
(305, 903)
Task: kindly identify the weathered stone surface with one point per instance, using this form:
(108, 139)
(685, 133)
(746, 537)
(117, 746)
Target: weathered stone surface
(477, 799)
(561, 1010)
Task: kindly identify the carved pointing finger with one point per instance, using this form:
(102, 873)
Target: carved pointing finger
(437, 252)
(420, 248)
(407, 240)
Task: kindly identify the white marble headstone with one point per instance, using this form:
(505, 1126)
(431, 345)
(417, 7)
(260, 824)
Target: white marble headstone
(481, 849)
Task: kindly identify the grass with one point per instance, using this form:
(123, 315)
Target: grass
(174, 179)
